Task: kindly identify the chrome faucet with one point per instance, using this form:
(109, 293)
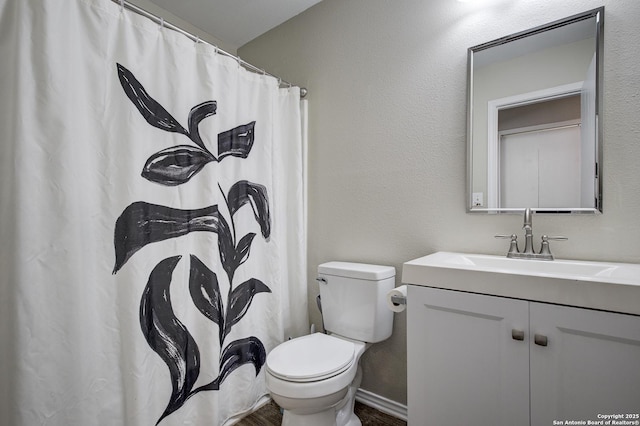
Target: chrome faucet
(528, 232)
(529, 253)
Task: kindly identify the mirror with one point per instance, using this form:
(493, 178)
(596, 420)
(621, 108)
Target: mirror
(534, 125)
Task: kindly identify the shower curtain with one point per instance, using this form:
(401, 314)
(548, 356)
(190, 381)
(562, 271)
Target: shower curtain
(152, 230)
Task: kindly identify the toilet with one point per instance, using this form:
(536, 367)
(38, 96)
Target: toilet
(314, 378)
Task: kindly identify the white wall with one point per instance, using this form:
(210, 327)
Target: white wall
(387, 91)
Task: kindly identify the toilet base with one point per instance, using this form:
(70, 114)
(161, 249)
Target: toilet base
(345, 415)
(307, 412)
(323, 418)
(339, 411)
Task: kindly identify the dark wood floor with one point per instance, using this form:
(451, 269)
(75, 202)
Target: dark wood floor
(270, 415)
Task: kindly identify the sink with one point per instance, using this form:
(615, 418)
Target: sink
(559, 268)
(598, 285)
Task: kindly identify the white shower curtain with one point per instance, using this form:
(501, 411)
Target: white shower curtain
(152, 234)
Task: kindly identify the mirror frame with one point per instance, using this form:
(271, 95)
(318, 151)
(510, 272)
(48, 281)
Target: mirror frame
(598, 14)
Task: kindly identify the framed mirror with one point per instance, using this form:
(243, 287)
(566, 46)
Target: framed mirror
(534, 125)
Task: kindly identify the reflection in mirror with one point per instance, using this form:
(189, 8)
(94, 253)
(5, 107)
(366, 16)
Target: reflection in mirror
(534, 128)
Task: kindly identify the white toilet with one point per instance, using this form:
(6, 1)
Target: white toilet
(314, 378)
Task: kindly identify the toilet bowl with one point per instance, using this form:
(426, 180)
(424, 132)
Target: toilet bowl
(314, 378)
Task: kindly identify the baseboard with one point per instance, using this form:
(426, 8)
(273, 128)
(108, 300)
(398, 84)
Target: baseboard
(381, 403)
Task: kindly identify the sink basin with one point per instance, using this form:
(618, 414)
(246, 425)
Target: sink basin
(572, 269)
(598, 285)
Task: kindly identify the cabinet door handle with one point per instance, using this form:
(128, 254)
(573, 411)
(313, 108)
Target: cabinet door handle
(540, 340)
(517, 334)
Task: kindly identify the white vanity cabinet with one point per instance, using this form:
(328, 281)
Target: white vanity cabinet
(477, 359)
(590, 366)
(463, 366)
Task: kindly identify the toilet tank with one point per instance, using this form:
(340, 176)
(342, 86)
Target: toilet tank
(353, 299)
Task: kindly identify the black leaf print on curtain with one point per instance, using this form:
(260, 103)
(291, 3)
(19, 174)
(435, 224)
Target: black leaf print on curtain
(205, 293)
(238, 353)
(236, 142)
(143, 223)
(243, 248)
(243, 192)
(226, 248)
(240, 300)
(151, 110)
(196, 115)
(167, 336)
(176, 165)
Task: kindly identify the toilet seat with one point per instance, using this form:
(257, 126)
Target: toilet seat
(311, 358)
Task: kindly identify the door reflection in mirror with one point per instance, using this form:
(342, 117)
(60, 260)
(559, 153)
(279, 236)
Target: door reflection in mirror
(540, 155)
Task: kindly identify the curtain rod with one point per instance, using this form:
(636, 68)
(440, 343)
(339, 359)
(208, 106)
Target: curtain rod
(162, 22)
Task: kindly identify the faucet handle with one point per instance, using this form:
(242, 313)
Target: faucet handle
(558, 238)
(544, 247)
(513, 247)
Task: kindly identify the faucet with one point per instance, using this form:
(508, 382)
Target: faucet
(528, 232)
(529, 252)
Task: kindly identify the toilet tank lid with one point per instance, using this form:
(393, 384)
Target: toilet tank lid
(361, 271)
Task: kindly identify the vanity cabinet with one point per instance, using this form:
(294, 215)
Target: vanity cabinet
(477, 359)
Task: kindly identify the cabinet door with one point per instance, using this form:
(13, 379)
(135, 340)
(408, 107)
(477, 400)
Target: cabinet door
(590, 366)
(464, 366)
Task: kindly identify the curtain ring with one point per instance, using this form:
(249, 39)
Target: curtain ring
(121, 5)
(197, 39)
(162, 23)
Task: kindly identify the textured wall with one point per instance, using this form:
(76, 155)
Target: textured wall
(387, 91)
